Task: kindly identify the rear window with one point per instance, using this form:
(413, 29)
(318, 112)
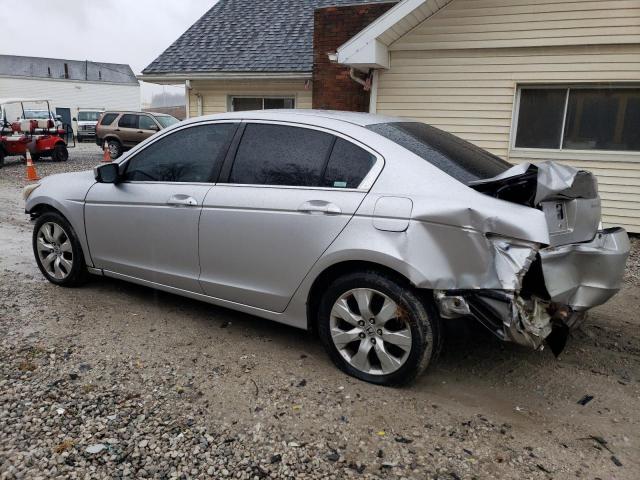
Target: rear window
(460, 159)
(108, 118)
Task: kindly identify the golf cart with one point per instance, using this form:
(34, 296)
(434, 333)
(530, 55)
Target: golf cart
(42, 137)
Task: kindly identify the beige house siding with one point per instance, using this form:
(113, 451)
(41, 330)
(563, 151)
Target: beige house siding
(471, 91)
(526, 23)
(216, 94)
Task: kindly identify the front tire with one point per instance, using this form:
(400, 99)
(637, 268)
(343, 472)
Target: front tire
(375, 327)
(58, 251)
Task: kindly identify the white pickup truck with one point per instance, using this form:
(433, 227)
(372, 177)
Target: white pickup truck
(86, 124)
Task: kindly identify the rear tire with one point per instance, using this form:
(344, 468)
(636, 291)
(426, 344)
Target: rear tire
(60, 153)
(1, 159)
(58, 251)
(115, 149)
(390, 341)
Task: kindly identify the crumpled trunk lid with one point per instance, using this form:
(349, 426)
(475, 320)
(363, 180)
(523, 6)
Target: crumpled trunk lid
(583, 266)
(567, 196)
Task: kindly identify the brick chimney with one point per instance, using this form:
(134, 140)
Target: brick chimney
(333, 26)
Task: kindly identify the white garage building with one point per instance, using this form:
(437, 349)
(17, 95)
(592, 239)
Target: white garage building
(70, 84)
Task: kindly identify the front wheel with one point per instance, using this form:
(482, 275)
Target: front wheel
(1, 158)
(58, 251)
(60, 153)
(378, 329)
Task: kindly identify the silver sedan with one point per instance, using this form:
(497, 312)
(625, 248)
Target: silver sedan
(369, 231)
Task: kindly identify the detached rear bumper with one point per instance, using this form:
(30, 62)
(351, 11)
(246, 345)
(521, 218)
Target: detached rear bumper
(585, 275)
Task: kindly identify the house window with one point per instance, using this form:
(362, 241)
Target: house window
(241, 104)
(579, 118)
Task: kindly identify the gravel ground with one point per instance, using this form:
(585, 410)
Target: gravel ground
(119, 381)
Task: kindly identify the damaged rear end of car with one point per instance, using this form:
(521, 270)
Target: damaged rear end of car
(525, 252)
(552, 285)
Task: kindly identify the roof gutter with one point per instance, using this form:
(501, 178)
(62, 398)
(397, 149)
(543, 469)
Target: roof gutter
(171, 78)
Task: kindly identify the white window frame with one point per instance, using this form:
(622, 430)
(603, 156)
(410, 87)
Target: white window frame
(263, 97)
(568, 87)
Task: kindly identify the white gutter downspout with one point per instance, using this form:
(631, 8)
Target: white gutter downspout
(373, 95)
(199, 103)
(187, 90)
(355, 78)
(370, 86)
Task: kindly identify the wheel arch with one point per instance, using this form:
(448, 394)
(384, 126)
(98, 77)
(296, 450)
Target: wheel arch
(336, 270)
(47, 204)
(41, 208)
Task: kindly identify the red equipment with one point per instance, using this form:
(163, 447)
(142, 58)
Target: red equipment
(40, 137)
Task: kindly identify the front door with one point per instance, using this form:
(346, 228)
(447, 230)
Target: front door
(147, 126)
(146, 226)
(282, 204)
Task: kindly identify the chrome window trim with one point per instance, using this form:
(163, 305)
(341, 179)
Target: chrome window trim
(367, 181)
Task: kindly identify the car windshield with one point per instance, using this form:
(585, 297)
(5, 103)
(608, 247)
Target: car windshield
(460, 159)
(166, 120)
(88, 116)
(36, 114)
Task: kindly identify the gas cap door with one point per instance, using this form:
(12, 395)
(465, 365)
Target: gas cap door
(392, 214)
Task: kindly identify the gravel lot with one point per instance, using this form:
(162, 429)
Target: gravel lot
(119, 381)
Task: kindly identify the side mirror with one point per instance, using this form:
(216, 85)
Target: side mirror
(107, 173)
(155, 128)
(74, 119)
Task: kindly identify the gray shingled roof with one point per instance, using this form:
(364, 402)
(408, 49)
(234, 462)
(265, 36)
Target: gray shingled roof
(248, 36)
(38, 67)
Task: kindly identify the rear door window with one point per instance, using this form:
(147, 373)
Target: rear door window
(193, 155)
(281, 155)
(128, 121)
(108, 118)
(348, 165)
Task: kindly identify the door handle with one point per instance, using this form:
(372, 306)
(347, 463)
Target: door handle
(182, 201)
(320, 207)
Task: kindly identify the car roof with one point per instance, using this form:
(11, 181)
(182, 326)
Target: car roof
(297, 115)
(118, 112)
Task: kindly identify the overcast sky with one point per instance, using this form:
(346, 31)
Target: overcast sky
(118, 31)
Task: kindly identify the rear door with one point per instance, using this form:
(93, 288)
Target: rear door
(288, 193)
(127, 129)
(146, 226)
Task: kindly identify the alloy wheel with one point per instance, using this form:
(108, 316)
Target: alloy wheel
(55, 250)
(370, 331)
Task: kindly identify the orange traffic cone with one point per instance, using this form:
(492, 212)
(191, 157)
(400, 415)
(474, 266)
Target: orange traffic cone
(106, 155)
(32, 175)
